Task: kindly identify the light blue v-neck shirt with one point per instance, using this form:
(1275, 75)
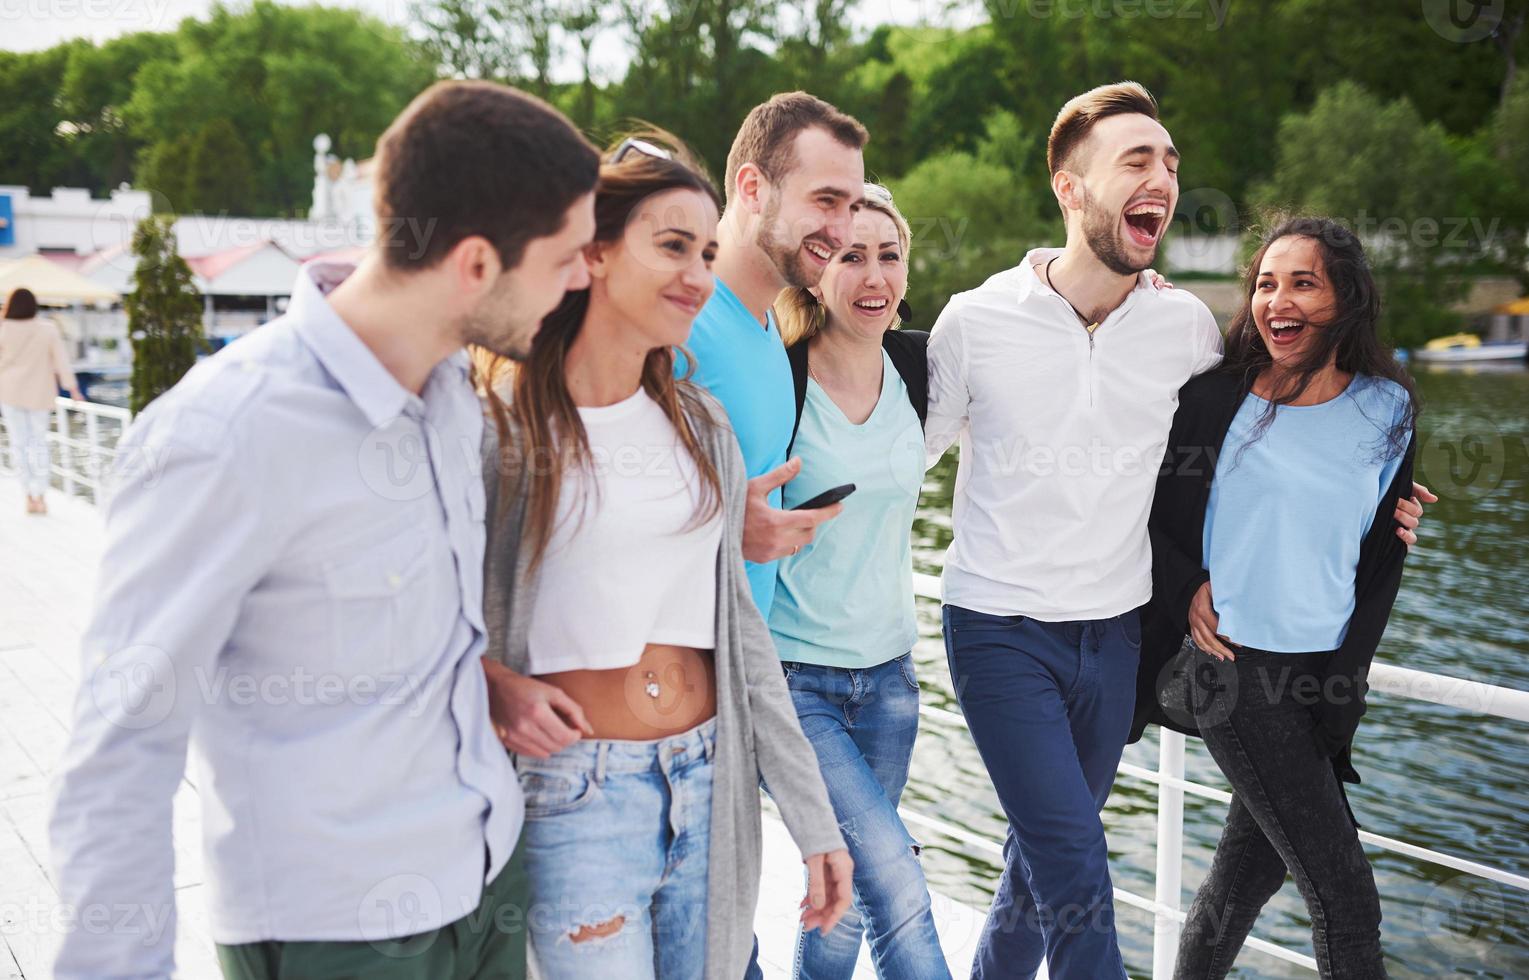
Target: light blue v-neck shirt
(846, 599)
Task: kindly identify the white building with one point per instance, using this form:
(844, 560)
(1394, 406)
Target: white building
(243, 266)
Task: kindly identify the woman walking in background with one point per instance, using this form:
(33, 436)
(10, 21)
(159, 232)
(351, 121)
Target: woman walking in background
(639, 688)
(33, 366)
(1274, 548)
(843, 617)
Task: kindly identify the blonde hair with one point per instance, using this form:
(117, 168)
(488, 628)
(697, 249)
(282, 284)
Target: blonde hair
(799, 314)
(1082, 112)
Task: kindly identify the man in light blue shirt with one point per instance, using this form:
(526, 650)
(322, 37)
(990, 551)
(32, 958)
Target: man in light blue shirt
(795, 175)
(292, 580)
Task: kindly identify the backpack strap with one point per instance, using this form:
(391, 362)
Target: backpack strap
(797, 355)
(909, 352)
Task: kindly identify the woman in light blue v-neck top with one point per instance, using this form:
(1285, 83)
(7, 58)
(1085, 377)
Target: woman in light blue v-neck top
(843, 613)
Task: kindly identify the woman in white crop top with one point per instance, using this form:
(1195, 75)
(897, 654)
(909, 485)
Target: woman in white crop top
(613, 606)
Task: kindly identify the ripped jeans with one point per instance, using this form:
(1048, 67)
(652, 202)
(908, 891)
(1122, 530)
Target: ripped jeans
(616, 841)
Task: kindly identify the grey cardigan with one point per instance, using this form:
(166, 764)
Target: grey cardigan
(758, 735)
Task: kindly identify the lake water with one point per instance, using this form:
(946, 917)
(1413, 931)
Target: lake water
(1436, 776)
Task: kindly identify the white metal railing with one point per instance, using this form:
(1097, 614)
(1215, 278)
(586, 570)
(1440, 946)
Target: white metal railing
(1402, 682)
(82, 440)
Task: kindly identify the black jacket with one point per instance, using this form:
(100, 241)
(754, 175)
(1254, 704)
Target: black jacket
(1207, 405)
(909, 351)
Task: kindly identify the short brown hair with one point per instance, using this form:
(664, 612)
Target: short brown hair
(767, 138)
(476, 158)
(1078, 116)
(19, 305)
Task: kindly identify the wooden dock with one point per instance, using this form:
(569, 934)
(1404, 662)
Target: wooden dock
(47, 576)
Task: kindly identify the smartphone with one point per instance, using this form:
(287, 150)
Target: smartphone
(826, 498)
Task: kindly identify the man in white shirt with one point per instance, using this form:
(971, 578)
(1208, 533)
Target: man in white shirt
(293, 582)
(1060, 377)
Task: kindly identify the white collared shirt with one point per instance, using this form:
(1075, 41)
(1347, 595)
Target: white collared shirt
(292, 583)
(1061, 436)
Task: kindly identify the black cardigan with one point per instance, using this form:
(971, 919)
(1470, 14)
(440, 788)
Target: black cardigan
(909, 351)
(1207, 405)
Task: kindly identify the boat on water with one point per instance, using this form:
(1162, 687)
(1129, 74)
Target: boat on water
(1467, 348)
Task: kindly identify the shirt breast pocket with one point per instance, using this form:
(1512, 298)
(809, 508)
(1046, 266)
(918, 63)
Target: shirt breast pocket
(380, 604)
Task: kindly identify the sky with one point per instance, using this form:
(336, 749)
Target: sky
(28, 25)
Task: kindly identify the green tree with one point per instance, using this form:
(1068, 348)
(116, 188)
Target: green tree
(33, 151)
(277, 75)
(698, 66)
(1502, 161)
(96, 87)
(583, 21)
(1393, 178)
(971, 216)
(221, 175)
(467, 38)
(164, 313)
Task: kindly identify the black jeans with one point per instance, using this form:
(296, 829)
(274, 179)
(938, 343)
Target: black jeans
(1288, 812)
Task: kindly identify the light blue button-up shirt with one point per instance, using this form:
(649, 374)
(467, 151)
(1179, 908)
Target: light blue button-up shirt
(292, 583)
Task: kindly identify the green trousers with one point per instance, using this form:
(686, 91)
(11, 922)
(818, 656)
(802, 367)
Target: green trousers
(489, 944)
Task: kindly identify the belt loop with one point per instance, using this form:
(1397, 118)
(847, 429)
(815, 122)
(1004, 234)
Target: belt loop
(600, 750)
(709, 739)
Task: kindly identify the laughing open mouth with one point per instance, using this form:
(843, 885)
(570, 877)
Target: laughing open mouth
(1144, 221)
(1283, 330)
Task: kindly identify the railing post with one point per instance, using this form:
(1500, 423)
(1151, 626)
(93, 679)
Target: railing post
(65, 463)
(93, 453)
(1170, 851)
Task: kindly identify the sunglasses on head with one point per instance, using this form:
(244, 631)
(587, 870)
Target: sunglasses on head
(641, 146)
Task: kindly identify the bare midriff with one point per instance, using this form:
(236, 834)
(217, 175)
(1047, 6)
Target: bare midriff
(621, 703)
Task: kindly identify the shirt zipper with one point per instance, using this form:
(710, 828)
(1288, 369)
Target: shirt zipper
(1092, 372)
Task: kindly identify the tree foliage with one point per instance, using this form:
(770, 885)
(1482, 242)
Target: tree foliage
(164, 313)
(219, 114)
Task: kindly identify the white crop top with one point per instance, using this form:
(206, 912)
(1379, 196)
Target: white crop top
(626, 566)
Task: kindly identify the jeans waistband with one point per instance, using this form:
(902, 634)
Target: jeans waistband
(602, 756)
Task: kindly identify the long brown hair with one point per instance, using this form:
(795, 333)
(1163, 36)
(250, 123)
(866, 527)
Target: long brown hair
(550, 441)
(1351, 338)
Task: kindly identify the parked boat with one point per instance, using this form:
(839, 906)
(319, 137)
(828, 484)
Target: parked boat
(1467, 347)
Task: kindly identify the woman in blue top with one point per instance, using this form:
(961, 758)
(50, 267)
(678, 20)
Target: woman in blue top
(843, 619)
(1274, 549)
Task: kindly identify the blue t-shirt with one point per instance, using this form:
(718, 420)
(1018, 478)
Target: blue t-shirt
(745, 366)
(846, 599)
(1288, 513)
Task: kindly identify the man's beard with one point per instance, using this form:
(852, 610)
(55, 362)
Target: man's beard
(1101, 230)
(498, 326)
(788, 261)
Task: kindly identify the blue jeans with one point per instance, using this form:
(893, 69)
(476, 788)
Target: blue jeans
(862, 724)
(1049, 706)
(616, 842)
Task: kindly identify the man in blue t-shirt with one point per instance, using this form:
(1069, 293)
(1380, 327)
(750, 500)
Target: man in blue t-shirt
(794, 179)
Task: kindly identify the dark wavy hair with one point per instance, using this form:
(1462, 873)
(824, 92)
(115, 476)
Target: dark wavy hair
(1352, 336)
(553, 441)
